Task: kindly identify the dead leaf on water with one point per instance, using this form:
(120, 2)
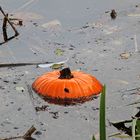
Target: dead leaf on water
(57, 66)
(59, 52)
(120, 135)
(125, 55)
(97, 24)
(20, 89)
(51, 24)
(134, 15)
(120, 81)
(109, 30)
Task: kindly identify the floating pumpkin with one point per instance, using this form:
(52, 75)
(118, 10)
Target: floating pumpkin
(66, 87)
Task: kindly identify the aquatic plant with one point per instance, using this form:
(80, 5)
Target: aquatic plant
(102, 122)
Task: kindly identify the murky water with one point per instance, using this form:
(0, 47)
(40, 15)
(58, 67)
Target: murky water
(92, 42)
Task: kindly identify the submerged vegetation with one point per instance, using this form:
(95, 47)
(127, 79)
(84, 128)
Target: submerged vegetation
(132, 131)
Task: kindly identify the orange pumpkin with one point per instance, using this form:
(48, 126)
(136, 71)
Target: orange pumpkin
(66, 87)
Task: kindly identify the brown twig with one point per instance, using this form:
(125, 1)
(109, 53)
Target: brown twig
(4, 28)
(27, 135)
(6, 19)
(20, 64)
(19, 21)
(18, 137)
(16, 32)
(7, 39)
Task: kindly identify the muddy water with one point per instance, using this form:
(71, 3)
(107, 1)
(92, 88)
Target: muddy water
(92, 42)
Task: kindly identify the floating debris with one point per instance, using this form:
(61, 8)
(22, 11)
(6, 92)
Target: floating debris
(125, 55)
(26, 136)
(57, 66)
(16, 21)
(113, 14)
(55, 115)
(20, 22)
(84, 27)
(42, 108)
(135, 42)
(38, 133)
(21, 64)
(122, 81)
(29, 132)
(21, 89)
(51, 24)
(109, 30)
(66, 88)
(107, 12)
(59, 52)
(122, 127)
(4, 27)
(5, 81)
(52, 64)
(134, 15)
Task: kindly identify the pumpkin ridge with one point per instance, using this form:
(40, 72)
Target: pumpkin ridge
(81, 83)
(39, 79)
(47, 86)
(85, 81)
(64, 86)
(93, 86)
(97, 87)
(97, 84)
(60, 87)
(82, 90)
(53, 86)
(41, 83)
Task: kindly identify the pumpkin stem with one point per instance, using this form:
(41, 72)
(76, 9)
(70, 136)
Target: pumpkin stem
(65, 74)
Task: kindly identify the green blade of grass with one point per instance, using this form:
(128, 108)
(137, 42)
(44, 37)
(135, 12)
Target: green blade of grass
(138, 129)
(134, 129)
(102, 115)
(93, 138)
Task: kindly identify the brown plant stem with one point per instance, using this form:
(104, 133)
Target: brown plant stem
(16, 32)
(29, 133)
(65, 74)
(26, 136)
(4, 28)
(20, 64)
